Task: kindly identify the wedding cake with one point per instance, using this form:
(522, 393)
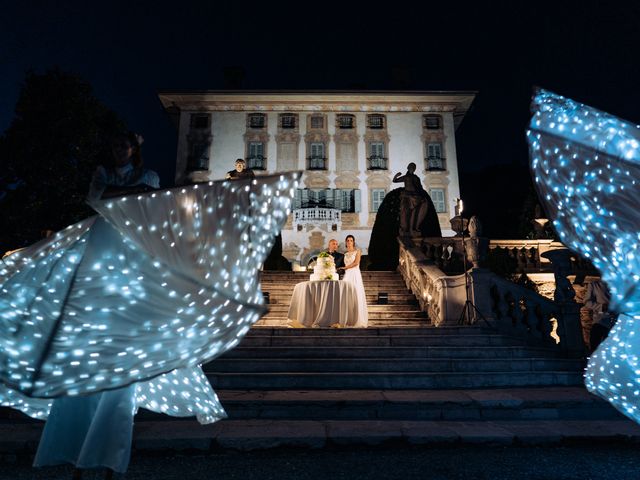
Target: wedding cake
(325, 268)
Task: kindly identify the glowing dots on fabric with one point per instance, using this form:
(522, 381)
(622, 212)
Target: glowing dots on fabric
(586, 166)
(157, 282)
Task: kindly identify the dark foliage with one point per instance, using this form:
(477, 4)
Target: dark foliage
(59, 135)
(504, 199)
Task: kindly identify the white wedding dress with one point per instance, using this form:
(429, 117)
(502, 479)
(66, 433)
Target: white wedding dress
(353, 276)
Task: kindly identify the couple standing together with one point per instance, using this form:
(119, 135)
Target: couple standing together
(349, 264)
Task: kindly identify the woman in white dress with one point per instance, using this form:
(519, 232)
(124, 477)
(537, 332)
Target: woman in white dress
(352, 275)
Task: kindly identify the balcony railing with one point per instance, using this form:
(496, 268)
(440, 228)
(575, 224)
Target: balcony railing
(257, 162)
(317, 216)
(377, 163)
(317, 163)
(435, 163)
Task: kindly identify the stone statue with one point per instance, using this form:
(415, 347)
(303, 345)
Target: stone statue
(413, 202)
(475, 227)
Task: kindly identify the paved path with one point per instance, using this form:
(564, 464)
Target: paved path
(578, 462)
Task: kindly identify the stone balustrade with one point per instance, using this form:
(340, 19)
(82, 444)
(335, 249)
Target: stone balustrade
(317, 216)
(503, 305)
(526, 255)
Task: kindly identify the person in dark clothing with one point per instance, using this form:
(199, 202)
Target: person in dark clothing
(338, 257)
(240, 172)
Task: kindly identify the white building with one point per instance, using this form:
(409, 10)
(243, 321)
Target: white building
(349, 145)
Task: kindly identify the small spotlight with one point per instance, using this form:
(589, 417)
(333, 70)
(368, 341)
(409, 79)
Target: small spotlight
(267, 298)
(383, 298)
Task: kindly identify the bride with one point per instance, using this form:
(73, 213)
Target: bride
(353, 276)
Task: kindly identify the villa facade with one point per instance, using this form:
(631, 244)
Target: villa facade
(349, 145)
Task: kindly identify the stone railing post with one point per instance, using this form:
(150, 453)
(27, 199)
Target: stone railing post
(570, 329)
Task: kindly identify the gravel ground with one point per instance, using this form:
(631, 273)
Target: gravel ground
(615, 462)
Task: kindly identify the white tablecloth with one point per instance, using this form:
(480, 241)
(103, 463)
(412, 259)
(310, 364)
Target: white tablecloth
(323, 304)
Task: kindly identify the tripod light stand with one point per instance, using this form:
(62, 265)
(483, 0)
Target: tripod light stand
(470, 312)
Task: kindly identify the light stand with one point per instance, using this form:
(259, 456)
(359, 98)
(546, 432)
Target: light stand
(469, 310)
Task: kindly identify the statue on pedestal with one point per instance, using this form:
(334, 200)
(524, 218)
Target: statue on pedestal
(413, 202)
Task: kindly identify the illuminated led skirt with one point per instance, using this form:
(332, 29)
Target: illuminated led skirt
(156, 283)
(586, 165)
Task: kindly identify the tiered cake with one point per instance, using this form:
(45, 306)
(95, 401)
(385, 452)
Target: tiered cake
(325, 268)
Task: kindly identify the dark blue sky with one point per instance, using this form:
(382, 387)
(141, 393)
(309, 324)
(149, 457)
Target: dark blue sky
(586, 50)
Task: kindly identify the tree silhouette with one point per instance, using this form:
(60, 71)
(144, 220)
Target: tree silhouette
(59, 135)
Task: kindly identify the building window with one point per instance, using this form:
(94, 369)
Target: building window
(199, 121)
(375, 121)
(317, 122)
(198, 156)
(437, 195)
(346, 121)
(255, 157)
(432, 122)
(257, 120)
(377, 196)
(287, 120)
(377, 160)
(317, 158)
(434, 157)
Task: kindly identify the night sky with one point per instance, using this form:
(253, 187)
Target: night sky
(585, 50)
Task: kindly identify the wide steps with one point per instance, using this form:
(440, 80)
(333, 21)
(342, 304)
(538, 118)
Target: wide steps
(477, 354)
(522, 404)
(379, 341)
(390, 380)
(391, 365)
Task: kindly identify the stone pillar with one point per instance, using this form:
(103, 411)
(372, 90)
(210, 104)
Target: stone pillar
(570, 329)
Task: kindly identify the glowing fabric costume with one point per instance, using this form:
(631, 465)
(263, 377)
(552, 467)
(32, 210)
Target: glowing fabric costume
(586, 165)
(154, 286)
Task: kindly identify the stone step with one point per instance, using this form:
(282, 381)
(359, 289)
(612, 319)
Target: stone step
(371, 300)
(372, 332)
(379, 341)
(390, 380)
(382, 365)
(391, 282)
(282, 314)
(373, 308)
(408, 315)
(475, 354)
(256, 434)
(282, 289)
(533, 403)
(276, 321)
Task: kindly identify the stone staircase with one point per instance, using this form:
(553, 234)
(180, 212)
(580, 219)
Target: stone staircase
(402, 309)
(399, 381)
(387, 358)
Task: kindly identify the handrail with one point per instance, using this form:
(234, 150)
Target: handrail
(510, 308)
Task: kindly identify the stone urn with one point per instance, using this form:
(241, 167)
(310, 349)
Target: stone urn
(459, 225)
(476, 245)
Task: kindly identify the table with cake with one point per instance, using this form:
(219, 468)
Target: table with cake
(323, 301)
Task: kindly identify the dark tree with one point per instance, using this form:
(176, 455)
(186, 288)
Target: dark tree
(59, 135)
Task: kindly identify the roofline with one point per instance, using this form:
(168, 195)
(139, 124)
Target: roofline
(319, 92)
(426, 101)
